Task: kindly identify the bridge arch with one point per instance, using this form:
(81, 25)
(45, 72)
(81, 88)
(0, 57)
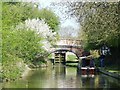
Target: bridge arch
(66, 45)
(65, 50)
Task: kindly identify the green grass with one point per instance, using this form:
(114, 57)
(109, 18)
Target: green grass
(71, 57)
(72, 63)
(113, 69)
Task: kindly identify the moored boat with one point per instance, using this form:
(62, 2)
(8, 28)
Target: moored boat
(86, 66)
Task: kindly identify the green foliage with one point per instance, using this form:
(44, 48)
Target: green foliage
(71, 57)
(50, 18)
(13, 14)
(100, 23)
(21, 46)
(94, 53)
(18, 45)
(22, 43)
(12, 68)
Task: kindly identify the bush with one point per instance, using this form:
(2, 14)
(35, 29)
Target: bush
(12, 69)
(21, 45)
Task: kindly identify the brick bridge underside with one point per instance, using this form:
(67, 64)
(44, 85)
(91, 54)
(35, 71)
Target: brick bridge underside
(77, 50)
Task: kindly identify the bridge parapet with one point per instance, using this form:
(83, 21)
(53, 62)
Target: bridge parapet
(70, 42)
(70, 45)
(67, 46)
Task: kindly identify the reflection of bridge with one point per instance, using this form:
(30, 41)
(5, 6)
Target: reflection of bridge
(66, 45)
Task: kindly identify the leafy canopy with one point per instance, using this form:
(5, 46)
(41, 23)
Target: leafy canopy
(14, 13)
(99, 21)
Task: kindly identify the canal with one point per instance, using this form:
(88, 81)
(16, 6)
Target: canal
(61, 76)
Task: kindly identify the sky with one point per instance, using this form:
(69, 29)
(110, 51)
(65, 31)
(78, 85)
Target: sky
(65, 22)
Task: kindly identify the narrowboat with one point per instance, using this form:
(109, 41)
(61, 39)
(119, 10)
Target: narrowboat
(86, 65)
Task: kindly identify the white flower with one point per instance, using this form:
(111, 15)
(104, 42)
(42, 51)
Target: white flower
(41, 28)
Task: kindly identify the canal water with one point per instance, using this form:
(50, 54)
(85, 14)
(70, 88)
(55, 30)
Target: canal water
(61, 76)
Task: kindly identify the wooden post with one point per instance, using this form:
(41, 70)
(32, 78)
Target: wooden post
(63, 58)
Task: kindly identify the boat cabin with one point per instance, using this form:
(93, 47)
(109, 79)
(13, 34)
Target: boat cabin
(87, 66)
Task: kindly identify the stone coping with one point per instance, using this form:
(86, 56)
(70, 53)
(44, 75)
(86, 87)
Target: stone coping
(112, 74)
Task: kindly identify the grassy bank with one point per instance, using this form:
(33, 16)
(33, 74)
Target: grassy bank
(113, 69)
(12, 69)
(71, 57)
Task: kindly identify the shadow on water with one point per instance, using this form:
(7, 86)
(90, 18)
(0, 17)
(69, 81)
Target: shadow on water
(61, 76)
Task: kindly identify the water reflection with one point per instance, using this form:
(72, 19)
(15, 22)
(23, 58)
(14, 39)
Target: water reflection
(61, 76)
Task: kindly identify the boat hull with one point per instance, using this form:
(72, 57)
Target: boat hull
(87, 70)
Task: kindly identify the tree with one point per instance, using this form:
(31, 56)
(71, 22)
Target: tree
(50, 19)
(21, 42)
(14, 13)
(99, 22)
(42, 29)
(100, 25)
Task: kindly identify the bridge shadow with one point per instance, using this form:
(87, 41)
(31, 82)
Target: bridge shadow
(59, 56)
